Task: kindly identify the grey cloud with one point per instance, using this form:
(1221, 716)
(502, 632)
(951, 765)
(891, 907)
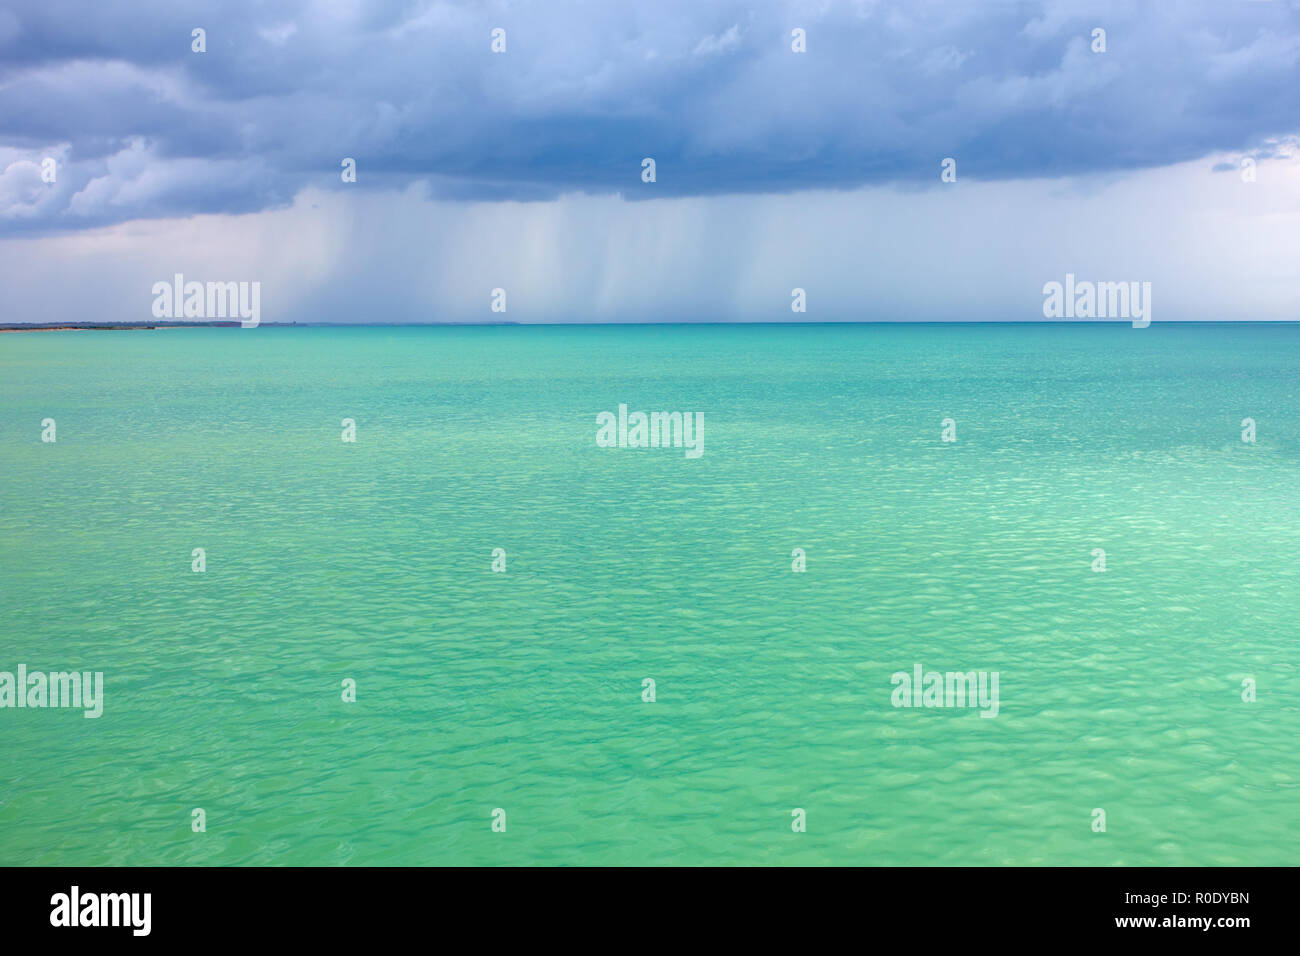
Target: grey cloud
(585, 90)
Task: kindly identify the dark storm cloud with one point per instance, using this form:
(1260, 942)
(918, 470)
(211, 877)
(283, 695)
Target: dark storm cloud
(143, 127)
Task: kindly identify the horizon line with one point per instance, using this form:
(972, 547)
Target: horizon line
(1107, 322)
(228, 324)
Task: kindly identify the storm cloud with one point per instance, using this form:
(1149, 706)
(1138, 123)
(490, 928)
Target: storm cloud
(141, 127)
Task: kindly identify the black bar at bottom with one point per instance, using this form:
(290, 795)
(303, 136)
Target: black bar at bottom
(336, 906)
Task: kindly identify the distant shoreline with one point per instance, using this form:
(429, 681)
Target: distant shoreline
(111, 327)
(163, 326)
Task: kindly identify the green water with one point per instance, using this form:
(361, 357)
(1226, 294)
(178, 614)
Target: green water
(476, 690)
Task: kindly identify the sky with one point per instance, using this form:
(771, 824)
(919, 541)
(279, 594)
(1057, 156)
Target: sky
(795, 145)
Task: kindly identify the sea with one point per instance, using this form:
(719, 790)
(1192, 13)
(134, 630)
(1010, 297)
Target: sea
(475, 635)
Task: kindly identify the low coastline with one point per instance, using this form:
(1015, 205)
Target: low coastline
(113, 326)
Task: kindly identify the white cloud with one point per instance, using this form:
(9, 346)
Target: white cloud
(722, 43)
(278, 34)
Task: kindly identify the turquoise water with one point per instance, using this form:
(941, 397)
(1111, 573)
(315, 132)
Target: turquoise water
(476, 690)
